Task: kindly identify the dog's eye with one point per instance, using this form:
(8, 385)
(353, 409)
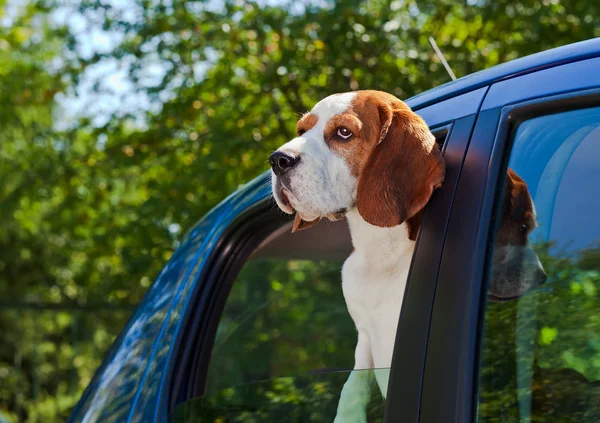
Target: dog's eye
(300, 132)
(523, 228)
(344, 133)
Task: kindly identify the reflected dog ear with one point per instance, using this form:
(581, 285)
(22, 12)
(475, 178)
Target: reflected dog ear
(403, 170)
(520, 200)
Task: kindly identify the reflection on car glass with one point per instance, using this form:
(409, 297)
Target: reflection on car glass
(515, 266)
(540, 348)
(307, 398)
(282, 318)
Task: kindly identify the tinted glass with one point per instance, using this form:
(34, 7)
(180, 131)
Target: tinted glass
(284, 348)
(308, 398)
(540, 347)
(282, 318)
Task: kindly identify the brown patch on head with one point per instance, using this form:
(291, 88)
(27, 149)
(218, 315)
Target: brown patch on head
(362, 119)
(306, 123)
(517, 215)
(353, 149)
(398, 162)
(345, 120)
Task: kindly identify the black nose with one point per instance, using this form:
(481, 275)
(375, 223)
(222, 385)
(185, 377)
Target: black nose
(282, 162)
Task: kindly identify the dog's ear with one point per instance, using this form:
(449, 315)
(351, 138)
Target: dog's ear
(402, 171)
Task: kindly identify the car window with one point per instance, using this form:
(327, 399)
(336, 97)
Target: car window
(282, 318)
(539, 357)
(285, 341)
(305, 398)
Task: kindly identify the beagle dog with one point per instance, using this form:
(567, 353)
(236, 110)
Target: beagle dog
(366, 156)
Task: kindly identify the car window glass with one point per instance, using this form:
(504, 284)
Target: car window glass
(540, 346)
(282, 318)
(284, 347)
(307, 398)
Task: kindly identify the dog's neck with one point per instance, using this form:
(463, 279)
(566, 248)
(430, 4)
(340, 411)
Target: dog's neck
(386, 248)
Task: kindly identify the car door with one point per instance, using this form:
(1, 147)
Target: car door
(247, 342)
(489, 361)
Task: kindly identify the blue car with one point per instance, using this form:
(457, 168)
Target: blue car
(247, 322)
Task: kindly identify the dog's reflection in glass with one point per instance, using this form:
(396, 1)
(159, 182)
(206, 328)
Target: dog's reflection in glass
(515, 268)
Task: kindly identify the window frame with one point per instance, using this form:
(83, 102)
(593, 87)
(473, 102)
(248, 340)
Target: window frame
(457, 116)
(450, 381)
(235, 247)
(408, 361)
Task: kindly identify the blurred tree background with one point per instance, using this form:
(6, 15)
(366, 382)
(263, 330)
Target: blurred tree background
(123, 122)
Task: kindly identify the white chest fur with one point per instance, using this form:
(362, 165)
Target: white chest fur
(373, 281)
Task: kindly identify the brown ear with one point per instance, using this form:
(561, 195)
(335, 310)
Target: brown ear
(516, 196)
(402, 171)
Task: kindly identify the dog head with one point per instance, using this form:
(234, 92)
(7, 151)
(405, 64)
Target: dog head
(363, 149)
(515, 267)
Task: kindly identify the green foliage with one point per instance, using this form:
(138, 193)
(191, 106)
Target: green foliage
(308, 398)
(93, 205)
(282, 318)
(284, 348)
(552, 335)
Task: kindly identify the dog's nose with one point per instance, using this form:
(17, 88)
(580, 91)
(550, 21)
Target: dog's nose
(282, 162)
